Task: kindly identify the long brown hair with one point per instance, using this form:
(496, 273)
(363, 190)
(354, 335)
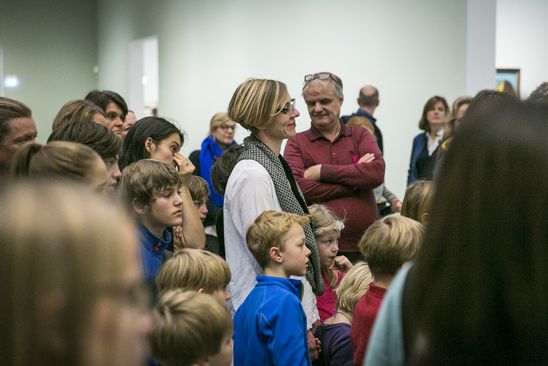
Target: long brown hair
(480, 292)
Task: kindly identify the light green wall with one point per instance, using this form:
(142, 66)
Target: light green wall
(52, 47)
(410, 50)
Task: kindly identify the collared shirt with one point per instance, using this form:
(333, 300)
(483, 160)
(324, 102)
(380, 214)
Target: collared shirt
(433, 143)
(152, 251)
(344, 186)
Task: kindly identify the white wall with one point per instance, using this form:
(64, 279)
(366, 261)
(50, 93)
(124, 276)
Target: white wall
(480, 45)
(52, 48)
(410, 50)
(522, 28)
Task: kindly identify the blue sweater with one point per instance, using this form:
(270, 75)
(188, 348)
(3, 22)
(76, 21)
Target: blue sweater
(419, 143)
(270, 325)
(152, 251)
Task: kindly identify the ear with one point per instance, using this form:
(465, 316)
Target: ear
(149, 143)
(139, 207)
(424, 218)
(201, 290)
(276, 254)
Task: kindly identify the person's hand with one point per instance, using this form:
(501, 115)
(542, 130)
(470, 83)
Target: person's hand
(341, 263)
(184, 165)
(367, 158)
(396, 205)
(314, 346)
(178, 231)
(313, 172)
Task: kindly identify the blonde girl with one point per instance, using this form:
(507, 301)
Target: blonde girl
(327, 229)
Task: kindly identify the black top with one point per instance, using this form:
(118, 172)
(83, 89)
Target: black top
(425, 163)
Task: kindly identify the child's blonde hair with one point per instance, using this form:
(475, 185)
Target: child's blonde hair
(270, 230)
(194, 269)
(418, 200)
(190, 326)
(352, 287)
(324, 220)
(199, 190)
(390, 242)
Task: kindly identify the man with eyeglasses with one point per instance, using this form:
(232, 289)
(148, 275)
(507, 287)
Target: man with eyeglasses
(335, 164)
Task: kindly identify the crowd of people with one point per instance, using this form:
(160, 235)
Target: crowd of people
(118, 249)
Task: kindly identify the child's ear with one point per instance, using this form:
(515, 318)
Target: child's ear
(276, 254)
(424, 218)
(148, 144)
(139, 207)
(201, 290)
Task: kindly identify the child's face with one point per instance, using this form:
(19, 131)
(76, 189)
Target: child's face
(224, 357)
(166, 208)
(328, 245)
(222, 294)
(202, 209)
(295, 253)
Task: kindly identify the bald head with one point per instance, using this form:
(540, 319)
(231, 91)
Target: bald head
(369, 97)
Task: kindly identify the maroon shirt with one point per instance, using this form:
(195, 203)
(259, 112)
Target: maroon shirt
(365, 313)
(345, 187)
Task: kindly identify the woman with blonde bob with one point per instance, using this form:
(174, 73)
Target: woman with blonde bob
(70, 279)
(262, 180)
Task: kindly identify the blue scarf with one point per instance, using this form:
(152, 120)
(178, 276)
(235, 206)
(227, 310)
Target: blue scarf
(210, 152)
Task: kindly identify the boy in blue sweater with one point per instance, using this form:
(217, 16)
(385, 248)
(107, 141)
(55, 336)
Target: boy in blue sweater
(270, 325)
(151, 189)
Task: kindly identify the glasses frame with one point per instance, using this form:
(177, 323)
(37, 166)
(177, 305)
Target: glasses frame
(225, 127)
(323, 76)
(289, 107)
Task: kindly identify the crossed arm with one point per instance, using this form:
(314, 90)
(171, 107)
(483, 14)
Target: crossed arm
(321, 182)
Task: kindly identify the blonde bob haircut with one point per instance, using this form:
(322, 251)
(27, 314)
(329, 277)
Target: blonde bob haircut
(418, 200)
(390, 242)
(217, 120)
(256, 101)
(64, 249)
(190, 327)
(352, 287)
(270, 230)
(194, 269)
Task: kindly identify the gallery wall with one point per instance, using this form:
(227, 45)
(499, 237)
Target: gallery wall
(409, 50)
(51, 47)
(522, 28)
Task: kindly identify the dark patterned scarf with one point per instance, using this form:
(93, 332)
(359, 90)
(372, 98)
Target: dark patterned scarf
(290, 197)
